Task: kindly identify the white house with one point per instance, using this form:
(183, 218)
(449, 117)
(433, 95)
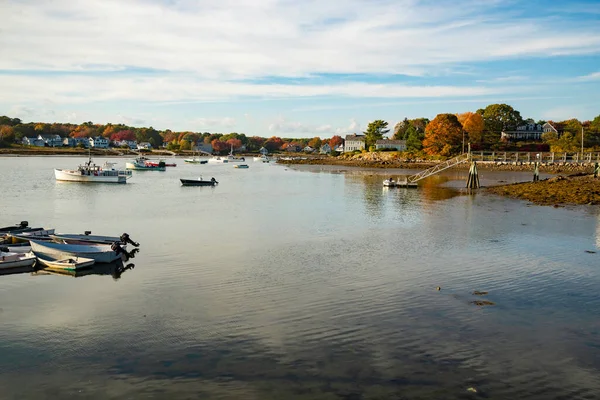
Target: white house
(144, 146)
(132, 144)
(32, 141)
(325, 149)
(354, 142)
(51, 140)
(99, 142)
(308, 149)
(398, 145)
(527, 132)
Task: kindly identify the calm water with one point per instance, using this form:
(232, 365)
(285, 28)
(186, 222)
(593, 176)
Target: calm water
(308, 283)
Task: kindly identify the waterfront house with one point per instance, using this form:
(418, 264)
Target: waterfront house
(203, 147)
(32, 141)
(325, 149)
(51, 140)
(293, 148)
(308, 149)
(398, 145)
(263, 151)
(98, 142)
(354, 142)
(527, 132)
(144, 146)
(69, 142)
(340, 148)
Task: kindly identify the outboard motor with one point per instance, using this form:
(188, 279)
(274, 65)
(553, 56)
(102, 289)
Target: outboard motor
(126, 239)
(24, 224)
(87, 233)
(116, 247)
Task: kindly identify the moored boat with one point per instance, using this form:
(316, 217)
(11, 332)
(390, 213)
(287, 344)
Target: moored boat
(98, 252)
(15, 260)
(141, 164)
(198, 182)
(66, 264)
(241, 166)
(92, 173)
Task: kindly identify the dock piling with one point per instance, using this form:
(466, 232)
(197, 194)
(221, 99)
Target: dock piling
(536, 171)
(473, 179)
(596, 170)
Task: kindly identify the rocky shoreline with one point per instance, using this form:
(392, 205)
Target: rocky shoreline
(576, 189)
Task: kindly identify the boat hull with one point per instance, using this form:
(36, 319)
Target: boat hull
(69, 264)
(76, 176)
(197, 182)
(92, 239)
(16, 260)
(50, 250)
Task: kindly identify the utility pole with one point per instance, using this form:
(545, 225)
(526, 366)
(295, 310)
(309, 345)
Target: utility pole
(582, 143)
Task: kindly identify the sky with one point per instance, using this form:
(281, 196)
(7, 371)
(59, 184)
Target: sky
(295, 68)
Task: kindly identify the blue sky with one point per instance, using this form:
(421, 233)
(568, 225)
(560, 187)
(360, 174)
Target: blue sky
(295, 68)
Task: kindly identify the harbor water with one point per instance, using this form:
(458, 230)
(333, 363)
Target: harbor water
(302, 283)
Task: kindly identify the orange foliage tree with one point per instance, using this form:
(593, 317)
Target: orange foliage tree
(443, 135)
(219, 145)
(335, 141)
(235, 143)
(473, 124)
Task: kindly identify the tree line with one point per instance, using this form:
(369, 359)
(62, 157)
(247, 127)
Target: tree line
(449, 134)
(445, 135)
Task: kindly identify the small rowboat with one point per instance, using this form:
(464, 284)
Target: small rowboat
(14, 260)
(241, 166)
(66, 264)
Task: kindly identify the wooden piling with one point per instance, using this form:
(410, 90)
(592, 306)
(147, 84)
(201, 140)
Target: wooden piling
(536, 171)
(473, 179)
(596, 170)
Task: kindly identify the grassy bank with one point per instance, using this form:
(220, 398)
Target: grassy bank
(70, 151)
(577, 189)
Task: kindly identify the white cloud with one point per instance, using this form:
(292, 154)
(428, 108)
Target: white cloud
(281, 126)
(225, 122)
(228, 39)
(595, 76)
(77, 89)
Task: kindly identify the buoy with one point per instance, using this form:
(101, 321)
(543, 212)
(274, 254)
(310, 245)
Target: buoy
(438, 288)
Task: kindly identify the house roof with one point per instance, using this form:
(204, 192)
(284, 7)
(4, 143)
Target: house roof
(355, 137)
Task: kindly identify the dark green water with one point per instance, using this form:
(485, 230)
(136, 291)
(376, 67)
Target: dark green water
(301, 284)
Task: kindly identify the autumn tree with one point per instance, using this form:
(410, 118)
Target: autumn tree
(443, 135)
(185, 145)
(255, 143)
(335, 141)
(273, 143)
(472, 125)
(498, 118)
(315, 142)
(7, 134)
(122, 135)
(375, 131)
(400, 129)
(219, 146)
(234, 143)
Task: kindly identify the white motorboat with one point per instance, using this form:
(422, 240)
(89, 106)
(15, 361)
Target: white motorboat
(90, 172)
(224, 160)
(17, 248)
(101, 253)
(390, 183)
(15, 260)
(263, 158)
(66, 264)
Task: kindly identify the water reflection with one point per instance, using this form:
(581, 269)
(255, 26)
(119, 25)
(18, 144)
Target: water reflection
(114, 269)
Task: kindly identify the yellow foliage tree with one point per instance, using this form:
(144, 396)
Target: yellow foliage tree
(473, 125)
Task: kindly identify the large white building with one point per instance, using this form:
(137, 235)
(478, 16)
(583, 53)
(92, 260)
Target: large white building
(99, 142)
(354, 142)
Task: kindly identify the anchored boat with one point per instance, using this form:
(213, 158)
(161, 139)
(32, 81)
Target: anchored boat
(90, 172)
(98, 252)
(15, 260)
(198, 182)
